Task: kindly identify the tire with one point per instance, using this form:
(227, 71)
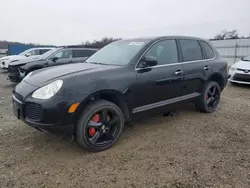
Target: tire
(92, 109)
(202, 103)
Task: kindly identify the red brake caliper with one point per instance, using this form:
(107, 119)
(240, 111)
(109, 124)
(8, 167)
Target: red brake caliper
(207, 97)
(96, 118)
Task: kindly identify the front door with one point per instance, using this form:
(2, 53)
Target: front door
(62, 57)
(158, 85)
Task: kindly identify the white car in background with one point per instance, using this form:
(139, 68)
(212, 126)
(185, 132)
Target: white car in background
(5, 61)
(240, 71)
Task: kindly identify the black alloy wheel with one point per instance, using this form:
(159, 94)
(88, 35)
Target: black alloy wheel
(210, 98)
(100, 125)
(213, 97)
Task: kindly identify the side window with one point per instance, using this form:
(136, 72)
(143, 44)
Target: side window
(82, 53)
(42, 51)
(90, 52)
(63, 54)
(208, 50)
(34, 52)
(191, 50)
(165, 52)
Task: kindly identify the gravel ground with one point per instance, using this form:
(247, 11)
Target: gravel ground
(189, 149)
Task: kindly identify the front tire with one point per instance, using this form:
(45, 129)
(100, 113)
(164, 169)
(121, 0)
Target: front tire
(99, 126)
(210, 98)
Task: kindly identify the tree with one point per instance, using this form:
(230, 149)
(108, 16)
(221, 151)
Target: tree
(233, 34)
(101, 43)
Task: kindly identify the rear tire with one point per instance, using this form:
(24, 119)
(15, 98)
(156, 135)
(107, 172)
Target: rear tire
(86, 137)
(210, 98)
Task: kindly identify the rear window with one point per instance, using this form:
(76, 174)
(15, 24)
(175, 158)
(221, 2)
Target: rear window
(191, 50)
(208, 50)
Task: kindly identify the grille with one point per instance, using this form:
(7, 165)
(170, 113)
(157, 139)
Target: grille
(242, 77)
(34, 111)
(244, 70)
(12, 69)
(18, 96)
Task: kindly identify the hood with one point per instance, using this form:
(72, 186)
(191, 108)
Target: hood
(242, 65)
(44, 76)
(24, 60)
(10, 57)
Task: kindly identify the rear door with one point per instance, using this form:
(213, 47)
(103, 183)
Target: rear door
(159, 84)
(196, 65)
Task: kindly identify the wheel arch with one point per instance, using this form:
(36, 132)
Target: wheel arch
(110, 95)
(218, 78)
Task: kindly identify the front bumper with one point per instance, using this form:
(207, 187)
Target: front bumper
(4, 64)
(14, 77)
(46, 115)
(239, 76)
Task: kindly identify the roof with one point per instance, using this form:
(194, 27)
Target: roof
(164, 37)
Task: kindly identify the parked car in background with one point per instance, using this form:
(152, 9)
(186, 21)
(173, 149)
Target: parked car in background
(5, 61)
(58, 56)
(93, 100)
(239, 73)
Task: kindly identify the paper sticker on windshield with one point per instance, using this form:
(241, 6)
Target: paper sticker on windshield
(136, 43)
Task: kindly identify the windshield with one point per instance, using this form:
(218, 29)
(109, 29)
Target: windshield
(117, 53)
(24, 52)
(246, 58)
(47, 54)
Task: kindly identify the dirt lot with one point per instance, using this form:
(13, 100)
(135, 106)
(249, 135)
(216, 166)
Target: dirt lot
(189, 149)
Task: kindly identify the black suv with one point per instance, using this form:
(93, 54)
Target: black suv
(58, 56)
(93, 100)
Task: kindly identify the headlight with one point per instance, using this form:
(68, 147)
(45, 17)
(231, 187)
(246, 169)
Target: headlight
(233, 69)
(4, 59)
(48, 91)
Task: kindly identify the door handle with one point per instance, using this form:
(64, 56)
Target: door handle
(179, 72)
(206, 67)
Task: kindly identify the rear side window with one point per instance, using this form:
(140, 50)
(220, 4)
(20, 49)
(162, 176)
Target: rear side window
(191, 50)
(42, 51)
(83, 53)
(208, 50)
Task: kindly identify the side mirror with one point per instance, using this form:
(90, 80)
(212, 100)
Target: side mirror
(149, 61)
(54, 59)
(28, 54)
(242, 58)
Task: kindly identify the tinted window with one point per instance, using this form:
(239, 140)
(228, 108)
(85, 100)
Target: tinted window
(83, 53)
(42, 51)
(208, 50)
(165, 52)
(191, 50)
(34, 52)
(63, 54)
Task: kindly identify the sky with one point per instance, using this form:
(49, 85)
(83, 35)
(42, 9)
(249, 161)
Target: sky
(64, 22)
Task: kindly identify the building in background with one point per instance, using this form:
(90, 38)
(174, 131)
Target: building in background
(232, 49)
